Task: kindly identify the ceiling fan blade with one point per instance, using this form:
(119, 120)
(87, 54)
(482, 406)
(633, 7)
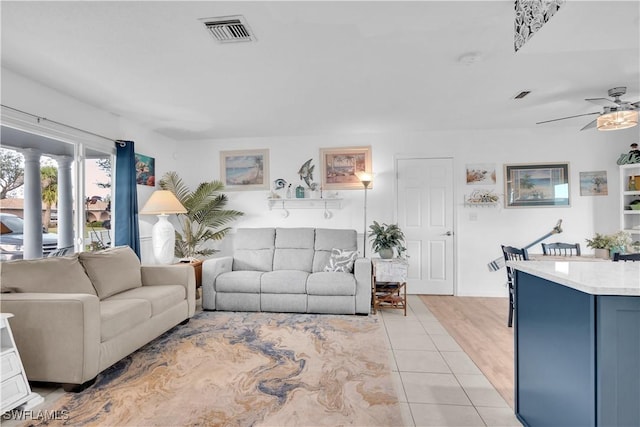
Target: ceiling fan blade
(602, 101)
(569, 117)
(590, 125)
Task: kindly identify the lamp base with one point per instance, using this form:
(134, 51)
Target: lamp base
(163, 238)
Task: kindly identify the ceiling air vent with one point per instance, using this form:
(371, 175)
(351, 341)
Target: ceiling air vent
(522, 94)
(228, 29)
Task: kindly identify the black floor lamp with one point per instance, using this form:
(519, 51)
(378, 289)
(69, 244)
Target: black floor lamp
(365, 179)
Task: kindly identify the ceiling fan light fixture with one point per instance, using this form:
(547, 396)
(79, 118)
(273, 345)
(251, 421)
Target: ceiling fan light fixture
(617, 120)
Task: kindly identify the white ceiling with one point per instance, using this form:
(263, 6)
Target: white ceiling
(325, 67)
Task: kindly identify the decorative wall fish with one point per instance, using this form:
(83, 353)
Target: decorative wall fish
(306, 174)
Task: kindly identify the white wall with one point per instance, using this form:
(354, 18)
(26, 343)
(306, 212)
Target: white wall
(477, 242)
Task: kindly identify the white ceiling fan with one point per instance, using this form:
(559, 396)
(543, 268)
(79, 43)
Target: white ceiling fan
(617, 114)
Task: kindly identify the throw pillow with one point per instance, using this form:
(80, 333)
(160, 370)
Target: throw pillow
(112, 270)
(56, 275)
(341, 261)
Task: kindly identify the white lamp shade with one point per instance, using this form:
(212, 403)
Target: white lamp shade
(162, 202)
(617, 120)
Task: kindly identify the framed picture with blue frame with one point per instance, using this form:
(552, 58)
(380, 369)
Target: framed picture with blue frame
(530, 185)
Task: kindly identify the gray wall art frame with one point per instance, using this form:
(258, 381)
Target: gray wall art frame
(531, 185)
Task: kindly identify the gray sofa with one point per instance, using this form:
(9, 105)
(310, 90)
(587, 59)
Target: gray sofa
(77, 315)
(289, 270)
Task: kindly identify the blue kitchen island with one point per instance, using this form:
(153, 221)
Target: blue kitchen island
(577, 343)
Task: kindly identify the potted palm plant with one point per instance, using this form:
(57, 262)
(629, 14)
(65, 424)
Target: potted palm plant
(385, 238)
(206, 216)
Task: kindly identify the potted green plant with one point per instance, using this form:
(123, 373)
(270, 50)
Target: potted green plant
(600, 244)
(205, 219)
(385, 238)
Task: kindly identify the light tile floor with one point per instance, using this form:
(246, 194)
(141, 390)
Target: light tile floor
(437, 383)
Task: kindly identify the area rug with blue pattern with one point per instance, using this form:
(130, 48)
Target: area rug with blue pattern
(247, 369)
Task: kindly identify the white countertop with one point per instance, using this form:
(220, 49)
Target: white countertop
(595, 278)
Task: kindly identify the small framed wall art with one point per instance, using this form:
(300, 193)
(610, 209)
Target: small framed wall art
(145, 170)
(531, 185)
(245, 169)
(593, 183)
(340, 167)
(481, 174)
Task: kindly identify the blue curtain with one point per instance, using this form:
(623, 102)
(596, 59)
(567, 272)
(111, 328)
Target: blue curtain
(126, 197)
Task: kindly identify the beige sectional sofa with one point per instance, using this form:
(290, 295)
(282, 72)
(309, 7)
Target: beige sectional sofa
(77, 315)
(301, 270)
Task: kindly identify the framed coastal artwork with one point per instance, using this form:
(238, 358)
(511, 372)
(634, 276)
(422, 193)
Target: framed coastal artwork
(536, 185)
(340, 167)
(145, 170)
(593, 183)
(481, 174)
(245, 169)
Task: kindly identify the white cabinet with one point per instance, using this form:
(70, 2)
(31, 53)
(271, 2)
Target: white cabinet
(15, 387)
(630, 218)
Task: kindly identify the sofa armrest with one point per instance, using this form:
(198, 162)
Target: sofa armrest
(179, 274)
(57, 335)
(362, 272)
(211, 269)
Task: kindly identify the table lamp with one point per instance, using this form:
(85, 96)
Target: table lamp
(163, 234)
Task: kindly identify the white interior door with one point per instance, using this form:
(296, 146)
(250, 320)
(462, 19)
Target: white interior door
(425, 215)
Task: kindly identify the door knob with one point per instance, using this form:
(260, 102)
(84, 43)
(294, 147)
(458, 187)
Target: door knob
(448, 233)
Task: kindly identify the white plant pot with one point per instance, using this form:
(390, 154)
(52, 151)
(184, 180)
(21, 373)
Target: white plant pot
(602, 253)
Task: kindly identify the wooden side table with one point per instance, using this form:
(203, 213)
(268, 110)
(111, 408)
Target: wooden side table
(389, 284)
(197, 266)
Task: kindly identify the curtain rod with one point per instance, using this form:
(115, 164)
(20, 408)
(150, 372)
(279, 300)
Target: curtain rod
(39, 118)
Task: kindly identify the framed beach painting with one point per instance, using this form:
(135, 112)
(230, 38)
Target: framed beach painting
(341, 165)
(593, 183)
(245, 169)
(145, 170)
(481, 174)
(536, 185)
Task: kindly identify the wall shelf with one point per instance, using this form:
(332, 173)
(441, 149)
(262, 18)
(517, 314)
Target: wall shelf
(472, 203)
(286, 204)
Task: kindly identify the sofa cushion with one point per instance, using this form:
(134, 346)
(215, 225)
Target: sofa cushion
(294, 249)
(112, 270)
(253, 249)
(284, 282)
(239, 281)
(341, 261)
(119, 315)
(328, 239)
(161, 297)
(57, 274)
(328, 283)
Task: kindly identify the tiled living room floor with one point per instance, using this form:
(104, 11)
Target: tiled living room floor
(437, 383)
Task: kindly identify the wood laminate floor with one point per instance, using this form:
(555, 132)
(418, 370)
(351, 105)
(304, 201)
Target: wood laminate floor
(479, 325)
